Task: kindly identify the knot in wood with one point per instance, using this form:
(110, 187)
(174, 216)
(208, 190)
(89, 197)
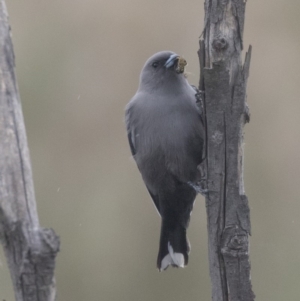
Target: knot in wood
(237, 246)
(219, 44)
(217, 137)
(237, 242)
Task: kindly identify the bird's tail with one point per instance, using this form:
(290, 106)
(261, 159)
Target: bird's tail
(174, 246)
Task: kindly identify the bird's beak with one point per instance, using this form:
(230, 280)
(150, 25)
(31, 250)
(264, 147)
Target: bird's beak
(180, 63)
(171, 60)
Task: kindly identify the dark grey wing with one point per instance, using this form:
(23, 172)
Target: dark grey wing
(131, 139)
(130, 129)
(155, 200)
(132, 148)
(133, 152)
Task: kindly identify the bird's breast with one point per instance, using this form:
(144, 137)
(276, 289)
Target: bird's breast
(168, 131)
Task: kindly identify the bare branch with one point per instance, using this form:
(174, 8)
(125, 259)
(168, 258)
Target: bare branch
(223, 80)
(30, 250)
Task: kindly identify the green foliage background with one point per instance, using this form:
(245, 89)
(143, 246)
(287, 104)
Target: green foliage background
(78, 64)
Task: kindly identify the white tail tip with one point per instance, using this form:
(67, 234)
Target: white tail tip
(173, 258)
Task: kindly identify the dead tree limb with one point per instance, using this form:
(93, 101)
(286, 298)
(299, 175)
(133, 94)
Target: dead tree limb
(30, 250)
(223, 83)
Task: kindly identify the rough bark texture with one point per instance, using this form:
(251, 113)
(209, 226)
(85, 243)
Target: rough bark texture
(30, 250)
(223, 81)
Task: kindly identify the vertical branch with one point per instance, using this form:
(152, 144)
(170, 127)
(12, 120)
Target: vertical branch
(223, 81)
(30, 250)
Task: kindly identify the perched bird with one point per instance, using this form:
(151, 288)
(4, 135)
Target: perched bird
(166, 137)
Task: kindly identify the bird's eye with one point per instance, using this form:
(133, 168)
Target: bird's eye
(155, 64)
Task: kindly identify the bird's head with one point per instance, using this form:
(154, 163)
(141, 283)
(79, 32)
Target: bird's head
(161, 69)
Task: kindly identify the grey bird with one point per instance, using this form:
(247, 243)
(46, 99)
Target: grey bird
(166, 137)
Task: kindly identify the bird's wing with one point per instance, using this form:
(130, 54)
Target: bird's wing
(155, 200)
(130, 136)
(133, 152)
(130, 129)
(131, 139)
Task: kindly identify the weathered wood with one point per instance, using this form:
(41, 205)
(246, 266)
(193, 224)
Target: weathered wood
(223, 81)
(30, 250)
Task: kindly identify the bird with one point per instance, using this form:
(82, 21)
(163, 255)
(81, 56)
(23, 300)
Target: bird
(166, 136)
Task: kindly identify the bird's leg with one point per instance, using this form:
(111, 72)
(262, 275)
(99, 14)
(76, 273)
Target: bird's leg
(199, 96)
(200, 185)
(202, 171)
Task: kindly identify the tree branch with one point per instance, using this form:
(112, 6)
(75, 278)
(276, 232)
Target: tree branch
(30, 250)
(223, 81)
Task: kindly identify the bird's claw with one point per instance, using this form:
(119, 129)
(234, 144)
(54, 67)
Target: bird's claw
(199, 188)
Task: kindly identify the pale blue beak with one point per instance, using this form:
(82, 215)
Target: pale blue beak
(171, 60)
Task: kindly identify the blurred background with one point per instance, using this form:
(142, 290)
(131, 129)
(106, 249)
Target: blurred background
(78, 64)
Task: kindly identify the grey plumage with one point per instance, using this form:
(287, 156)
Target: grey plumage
(166, 137)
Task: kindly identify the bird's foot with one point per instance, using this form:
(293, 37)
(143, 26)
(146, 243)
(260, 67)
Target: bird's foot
(200, 187)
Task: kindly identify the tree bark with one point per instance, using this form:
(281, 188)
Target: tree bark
(223, 82)
(30, 250)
